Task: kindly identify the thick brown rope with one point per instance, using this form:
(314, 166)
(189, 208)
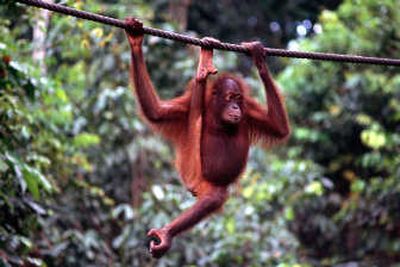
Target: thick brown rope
(196, 41)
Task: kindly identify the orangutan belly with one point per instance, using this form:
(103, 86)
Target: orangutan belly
(223, 157)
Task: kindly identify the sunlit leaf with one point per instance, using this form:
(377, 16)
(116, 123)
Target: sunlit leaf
(98, 32)
(248, 191)
(32, 183)
(363, 119)
(230, 226)
(289, 213)
(357, 186)
(85, 44)
(61, 95)
(373, 139)
(315, 188)
(86, 140)
(35, 179)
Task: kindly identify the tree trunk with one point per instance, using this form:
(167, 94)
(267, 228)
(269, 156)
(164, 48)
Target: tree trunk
(39, 38)
(138, 180)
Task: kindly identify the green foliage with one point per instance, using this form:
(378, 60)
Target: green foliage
(346, 119)
(264, 197)
(36, 151)
(86, 140)
(74, 155)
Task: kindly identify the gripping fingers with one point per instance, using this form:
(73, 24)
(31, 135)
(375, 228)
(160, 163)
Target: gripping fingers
(150, 240)
(134, 26)
(160, 243)
(206, 66)
(257, 52)
(134, 32)
(256, 48)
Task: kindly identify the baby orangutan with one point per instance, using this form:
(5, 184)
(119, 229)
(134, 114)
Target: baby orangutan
(211, 127)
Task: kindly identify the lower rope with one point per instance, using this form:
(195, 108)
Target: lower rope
(198, 42)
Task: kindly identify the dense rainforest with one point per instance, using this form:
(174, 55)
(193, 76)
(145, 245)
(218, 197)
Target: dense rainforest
(83, 178)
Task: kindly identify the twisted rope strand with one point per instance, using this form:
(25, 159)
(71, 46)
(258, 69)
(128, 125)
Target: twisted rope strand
(198, 42)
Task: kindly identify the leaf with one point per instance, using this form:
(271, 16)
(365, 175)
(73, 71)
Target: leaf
(61, 95)
(230, 226)
(3, 165)
(373, 139)
(364, 119)
(86, 140)
(358, 186)
(85, 44)
(35, 179)
(289, 213)
(98, 32)
(248, 191)
(315, 188)
(32, 184)
(124, 210)
(39, 159)
(16, 165)
(36, 207)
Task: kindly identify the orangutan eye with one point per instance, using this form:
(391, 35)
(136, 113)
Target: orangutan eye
(228, 97)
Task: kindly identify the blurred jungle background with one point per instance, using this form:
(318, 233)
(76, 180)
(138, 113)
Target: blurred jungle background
(83, 179)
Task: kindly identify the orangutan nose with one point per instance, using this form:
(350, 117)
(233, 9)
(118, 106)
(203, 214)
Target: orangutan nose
(235, 106)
